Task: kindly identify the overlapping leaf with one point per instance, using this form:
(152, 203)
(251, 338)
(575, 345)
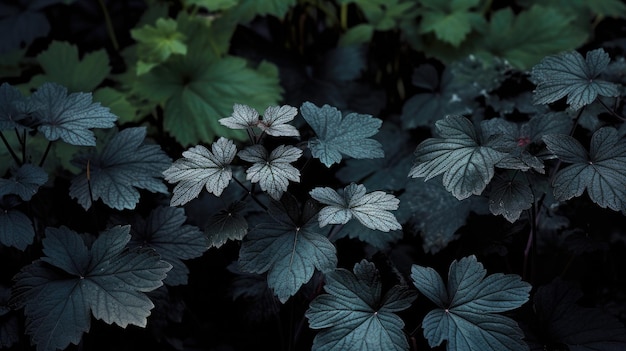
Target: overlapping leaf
(61, 291)
(337, 135)
(509, 197)
(466, 315)
(200, 168)
(355, 315)
(572, 75)
(24, 181)
(227, 224)
(599, 171)
(466, 164)
(372, 209)
(272, 171)
(157, 43)
(13, 107)
(16, 229)
(275, 119)
(114, 173)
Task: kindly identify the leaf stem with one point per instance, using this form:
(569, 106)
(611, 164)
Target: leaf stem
(45, 154)
(109, 25)
(576, 120)
(13, 154)
(611, 111)
(249, 193)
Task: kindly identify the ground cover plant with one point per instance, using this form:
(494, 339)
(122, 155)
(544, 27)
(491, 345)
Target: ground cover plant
(312, 175)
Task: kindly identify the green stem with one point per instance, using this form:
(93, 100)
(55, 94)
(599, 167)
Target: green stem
(6, 143)
(109, 25)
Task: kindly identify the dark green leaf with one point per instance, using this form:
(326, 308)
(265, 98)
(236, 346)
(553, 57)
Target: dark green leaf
(16, 229)
(157, 43)
(227, 224)
(354, 315)
(25, 181)
(509, 196)
(113, 174)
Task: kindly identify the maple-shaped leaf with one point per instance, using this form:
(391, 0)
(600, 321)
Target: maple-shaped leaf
(451, 21)
(466, 310)
(459, 154)
(16, 229)
(560, 320)
(288, 249)
(272, 171)
(371, 209)
(165, 231)
(14, 107)
(599, 171)
(157, 43)
(572, 75)
(275, 119)
(355, 315)
(122, 166)
(338, 135)
(24, 181)
(72, 281)
(200, 168)
(69, 117)
(227, 224)
(509, 196)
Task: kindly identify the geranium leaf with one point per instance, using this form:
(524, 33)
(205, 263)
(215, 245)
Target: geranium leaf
(275, 119)
(599, 171)
(243, 117)
(114, 173)
(24, 181)
(354, 315)
(227, 224)
(69, 117)
(337, 135)
(14, 107)
(200, 168)
(452, 22)
(272, 171)
(16, 229)
(467, 166)
(157, 43)
(58, 304)
(372, 209)
(466, 315)
(572, 75)
(510, 196)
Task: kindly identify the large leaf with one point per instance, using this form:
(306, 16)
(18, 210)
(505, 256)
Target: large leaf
(24, 181)
(165, 231)
(272, 171)
(355, 315)
(114, 173)
(466, 315)
(599, 171)
(200, 168)
(372, 209)
(69, 117)
(572, 75)
(61, 291)
(16, 229)
(338, 135)
(467, 166)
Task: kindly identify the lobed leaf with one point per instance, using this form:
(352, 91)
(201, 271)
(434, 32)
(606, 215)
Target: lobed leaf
(24, 181)
(272, 171)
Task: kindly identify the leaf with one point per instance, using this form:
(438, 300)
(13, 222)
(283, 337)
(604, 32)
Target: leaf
(509, 197)
(290, 251)
(24, 182)
(373, 237)
(599, 171)
(569, 74)
(14, 107)
(272, 171)
(467, 166)
(69, 117)
(21, 24)
(227, 224)
(16, 229)
(337, 135)
(200, 168)
(10, 327)
(114, 174)
(372, 209)
(354, 315)
(61, 65)
(165, 231)
(466, 314)
(451, 23)
(157, 43)
(275, 119)
(61, 291)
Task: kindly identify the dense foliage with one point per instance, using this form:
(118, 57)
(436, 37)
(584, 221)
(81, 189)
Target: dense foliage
(313, 175)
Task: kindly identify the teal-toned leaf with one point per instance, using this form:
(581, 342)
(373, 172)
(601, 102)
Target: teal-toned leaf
(165, 231)
(16, 229)
(467, 166)
(356, 230)
(275, 119)
(572, 75)
(200, 168)
(157, 43)
(21, 24)
(227, 224)
(14, 107)
(61, 291)
(599, 171)
(337, 135)
(289, 251)
(355, 315)
(272, 171)
(69, 117)
(114, 173)
(10, 329)
(371, 209)
(509, 196)
(466, 315)
(24, 181)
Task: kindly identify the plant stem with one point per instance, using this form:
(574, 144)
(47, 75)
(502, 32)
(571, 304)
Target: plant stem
(576, 120)
(109, 25)
(611, 111)
(6, 143)
(249, 193)
(45, 153)
(344, 16)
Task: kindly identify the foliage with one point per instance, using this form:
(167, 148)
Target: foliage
(323, 175)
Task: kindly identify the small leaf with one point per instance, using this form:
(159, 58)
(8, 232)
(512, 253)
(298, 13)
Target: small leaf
(276, 121)
(113, 173)
(243, 117)
(227, 224)
(200, 168)
(354, 315)
(25, 181)
(272, 171)
(465, 316)
(572, 75)
(16, 229)
(69, 117)
(337, 135)
(14, 107)
(157, 43)
(372, 209)
(509, 197)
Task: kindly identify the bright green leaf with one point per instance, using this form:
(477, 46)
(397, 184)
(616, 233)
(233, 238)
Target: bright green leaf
(157, 43)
